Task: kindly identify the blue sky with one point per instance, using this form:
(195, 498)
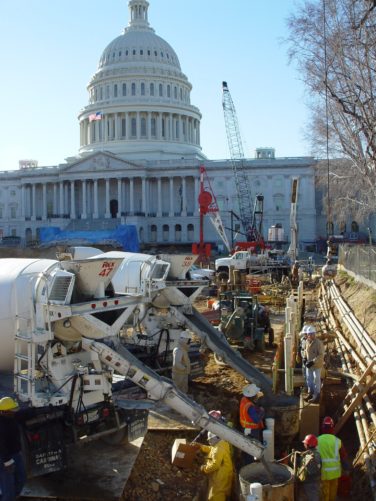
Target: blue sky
(51, 48)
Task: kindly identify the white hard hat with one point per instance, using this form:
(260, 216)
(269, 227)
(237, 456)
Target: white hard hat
(212, 438)
(310, 330)
(251, 390)
(304, 330)
(184, 335)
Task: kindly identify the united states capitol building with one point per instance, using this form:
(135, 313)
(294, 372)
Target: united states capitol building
(139, 158)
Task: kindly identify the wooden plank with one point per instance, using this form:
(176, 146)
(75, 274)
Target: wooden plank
(359, 389)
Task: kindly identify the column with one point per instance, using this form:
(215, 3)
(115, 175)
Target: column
(33, 202)
(143, 195)
(107, 213)
(61, 202)
(131, 195)
(159, 128)
(54, 201)
(120, 209)
(44, 201)
(116, 126)
(95, 213)
(23, 212)
(127, 126)
(197, 190)
(84, 206)
(73, 205)
(184, 197)
(171, 197)
(159, 201)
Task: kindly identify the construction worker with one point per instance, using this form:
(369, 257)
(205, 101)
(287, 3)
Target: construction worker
(181, 365)
(314, 361)
(309, 471)
(333, 457)
(12, 469)
(250, 414)
(301, 358)
(218, 466)
(295, 273)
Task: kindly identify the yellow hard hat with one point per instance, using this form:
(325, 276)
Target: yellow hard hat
(8, 404)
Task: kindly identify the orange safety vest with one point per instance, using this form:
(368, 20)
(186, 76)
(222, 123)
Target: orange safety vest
(245, 419)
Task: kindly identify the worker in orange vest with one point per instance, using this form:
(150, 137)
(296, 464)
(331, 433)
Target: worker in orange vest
(251, 415)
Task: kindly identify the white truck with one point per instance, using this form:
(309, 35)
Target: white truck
(65, 335)
(271, 261)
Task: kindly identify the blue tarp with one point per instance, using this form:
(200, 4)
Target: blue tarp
(124, 235)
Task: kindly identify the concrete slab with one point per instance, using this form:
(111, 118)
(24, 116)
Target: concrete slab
(96, 472)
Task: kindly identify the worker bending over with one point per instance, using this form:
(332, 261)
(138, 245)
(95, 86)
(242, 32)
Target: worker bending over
(12, 469)
(181, 365)
(313, 361)
(309, 472)
(218, 466)
(333, 457)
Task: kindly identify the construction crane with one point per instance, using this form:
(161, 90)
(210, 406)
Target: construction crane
(250, 215)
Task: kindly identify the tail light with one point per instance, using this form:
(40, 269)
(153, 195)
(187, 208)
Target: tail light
(105, 412)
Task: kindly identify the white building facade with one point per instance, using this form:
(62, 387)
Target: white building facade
(139, 158)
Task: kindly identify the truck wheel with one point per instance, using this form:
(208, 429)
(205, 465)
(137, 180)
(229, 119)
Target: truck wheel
(223, 275)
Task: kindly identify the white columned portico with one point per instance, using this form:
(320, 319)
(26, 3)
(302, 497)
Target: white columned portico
(107, 213)
(95, 213)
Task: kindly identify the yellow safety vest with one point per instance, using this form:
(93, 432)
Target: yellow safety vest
(329, 446)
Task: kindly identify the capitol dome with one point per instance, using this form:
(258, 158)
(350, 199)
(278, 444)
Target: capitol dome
(139, 99)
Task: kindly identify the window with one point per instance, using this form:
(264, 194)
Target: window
(177, 129)
(143, 127)
(168, 91)
(175, 92)
(148, 52)
(354, 227)
(152, 89)
(153, 127)
(115, 90)
(155, 53)
(133, 89)
(181, 94)
(141, 52)
(101, 93)
(123, 127)
(142, 89)
(177, 232)
(107, 91)
(134, 52)
(124, 89)
(165, 234)
(13, 213)
(160, 90)
(134, 127)
(163, 128)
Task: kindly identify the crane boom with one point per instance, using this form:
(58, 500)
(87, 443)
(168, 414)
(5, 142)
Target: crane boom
(246, 209)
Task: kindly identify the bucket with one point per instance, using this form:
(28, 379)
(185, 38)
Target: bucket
(282, 488)
(286, 421)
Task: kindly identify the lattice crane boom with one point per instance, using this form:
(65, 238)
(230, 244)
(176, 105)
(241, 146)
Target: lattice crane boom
(238, 165)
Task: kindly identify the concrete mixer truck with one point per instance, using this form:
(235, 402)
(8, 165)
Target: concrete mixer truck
(68, 327)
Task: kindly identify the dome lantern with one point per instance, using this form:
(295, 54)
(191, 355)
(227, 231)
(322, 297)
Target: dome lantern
(138, 15)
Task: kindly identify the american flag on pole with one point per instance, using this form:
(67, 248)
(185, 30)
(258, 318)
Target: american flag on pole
(95, 116)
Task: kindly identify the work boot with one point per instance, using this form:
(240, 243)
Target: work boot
(308, 397)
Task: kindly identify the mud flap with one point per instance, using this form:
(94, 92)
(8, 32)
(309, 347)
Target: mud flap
(137, 424)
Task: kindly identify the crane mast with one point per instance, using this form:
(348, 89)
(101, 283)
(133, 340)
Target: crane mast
(238, 165)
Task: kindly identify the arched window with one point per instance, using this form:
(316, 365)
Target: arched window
(153, 128)
(152, 89)
(123, 127)
(190, 232)
(165, 233)
(177, 233)
(168, 91)
(153, 233)
(124, 89)
(115, 90)
(160, 90)
(133, 127)
(143, 127)
(354, 227)
(142, 89)
(342, 227)
(133, 89)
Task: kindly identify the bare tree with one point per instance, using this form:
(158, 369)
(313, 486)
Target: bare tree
(334, 45)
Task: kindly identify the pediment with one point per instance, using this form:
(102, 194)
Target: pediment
(100, 162)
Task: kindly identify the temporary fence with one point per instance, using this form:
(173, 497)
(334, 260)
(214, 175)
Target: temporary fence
(359, 259)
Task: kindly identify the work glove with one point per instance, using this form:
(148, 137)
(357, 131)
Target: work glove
(309, 364)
